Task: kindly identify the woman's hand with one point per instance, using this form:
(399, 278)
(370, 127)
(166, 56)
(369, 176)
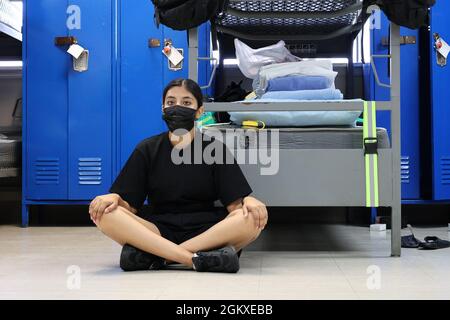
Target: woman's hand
(258, 209)
(102, 205)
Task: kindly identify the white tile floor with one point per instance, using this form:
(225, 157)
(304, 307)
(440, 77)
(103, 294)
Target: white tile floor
(288, 262)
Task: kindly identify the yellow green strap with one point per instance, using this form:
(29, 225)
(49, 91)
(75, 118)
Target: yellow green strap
(370, 155)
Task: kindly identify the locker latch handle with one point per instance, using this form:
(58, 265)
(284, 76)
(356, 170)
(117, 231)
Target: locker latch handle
(65, 41)
(154, 43)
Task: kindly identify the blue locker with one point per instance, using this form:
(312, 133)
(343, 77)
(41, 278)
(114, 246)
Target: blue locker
(80, 128)
(91, 103)
(204, 49)
(45, 101)
(410, 103)
(179, 39)
(141, 77)
(440, 97)
(68, 115)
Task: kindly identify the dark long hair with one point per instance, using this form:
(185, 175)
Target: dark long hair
(189, 85)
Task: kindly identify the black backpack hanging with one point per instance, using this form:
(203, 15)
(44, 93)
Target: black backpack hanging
(186, 14)
(412, 14)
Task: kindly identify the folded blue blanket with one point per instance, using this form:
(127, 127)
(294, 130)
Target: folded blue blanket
(324, 94)
(298, 82)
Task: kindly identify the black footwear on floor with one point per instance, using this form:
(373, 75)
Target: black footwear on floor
(433, 243)
(410, 241)
(133, 259)
(221, 260)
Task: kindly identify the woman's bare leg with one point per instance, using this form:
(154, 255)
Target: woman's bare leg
(188, 244)
(235, 230)
(123, 228)
(149, 225)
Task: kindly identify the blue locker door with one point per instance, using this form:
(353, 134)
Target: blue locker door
(440, 100)
(179, 39)
(410, 104)
(141, 76)
(91, 103)
(45, 67)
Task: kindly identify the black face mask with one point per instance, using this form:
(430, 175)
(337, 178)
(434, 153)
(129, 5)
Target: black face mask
(179, 117)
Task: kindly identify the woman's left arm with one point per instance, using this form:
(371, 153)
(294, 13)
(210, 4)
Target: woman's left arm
(253, 206)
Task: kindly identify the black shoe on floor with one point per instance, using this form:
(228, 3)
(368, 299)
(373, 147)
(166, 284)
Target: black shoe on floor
(133, 259)
(433, 243)
(221, 260)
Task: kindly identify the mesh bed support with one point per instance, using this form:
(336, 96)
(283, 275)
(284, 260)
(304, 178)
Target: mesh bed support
(276, 11)
(291, 19)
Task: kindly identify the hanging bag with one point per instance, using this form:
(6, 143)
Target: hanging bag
(186, 14)
(412, 14)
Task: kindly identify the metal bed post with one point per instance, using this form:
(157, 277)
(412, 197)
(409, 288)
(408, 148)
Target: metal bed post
(396, 145)
(350, 75)
(193, 54)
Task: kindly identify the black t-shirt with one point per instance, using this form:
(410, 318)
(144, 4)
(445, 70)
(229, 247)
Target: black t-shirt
(176, 188)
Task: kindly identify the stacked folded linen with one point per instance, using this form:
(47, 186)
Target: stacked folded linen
(324, 94)
(320, 68)
(292, 83)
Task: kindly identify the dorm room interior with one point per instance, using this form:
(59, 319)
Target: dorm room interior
(321, 140)
(336, 112)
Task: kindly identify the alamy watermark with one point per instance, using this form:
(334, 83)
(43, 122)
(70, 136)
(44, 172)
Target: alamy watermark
(373, 281)
(74, 18)
(73, 281)
(241, 146)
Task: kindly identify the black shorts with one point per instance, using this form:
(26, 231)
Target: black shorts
(180, 227)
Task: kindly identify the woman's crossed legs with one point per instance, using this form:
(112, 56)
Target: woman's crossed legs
(124, 227)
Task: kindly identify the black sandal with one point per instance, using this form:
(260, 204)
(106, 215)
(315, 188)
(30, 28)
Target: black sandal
(433, 243)
(410, 241)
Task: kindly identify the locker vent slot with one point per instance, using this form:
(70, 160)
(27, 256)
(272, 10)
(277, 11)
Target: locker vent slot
(47, 171)
(445, 173)
(90, 171)
(405, 169)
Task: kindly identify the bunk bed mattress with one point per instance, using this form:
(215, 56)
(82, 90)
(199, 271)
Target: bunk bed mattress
(301, 138)
(296, 118)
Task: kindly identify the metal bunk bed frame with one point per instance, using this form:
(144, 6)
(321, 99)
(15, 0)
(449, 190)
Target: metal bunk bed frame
(336, 177)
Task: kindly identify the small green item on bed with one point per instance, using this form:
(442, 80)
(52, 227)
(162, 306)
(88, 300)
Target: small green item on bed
(206, 118)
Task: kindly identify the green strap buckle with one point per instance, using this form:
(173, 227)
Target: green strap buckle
(370, 146)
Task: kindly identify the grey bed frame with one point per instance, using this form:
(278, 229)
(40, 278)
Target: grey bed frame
(335, 177)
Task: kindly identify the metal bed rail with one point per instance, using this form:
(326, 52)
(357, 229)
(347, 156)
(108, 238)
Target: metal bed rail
(350, 105)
